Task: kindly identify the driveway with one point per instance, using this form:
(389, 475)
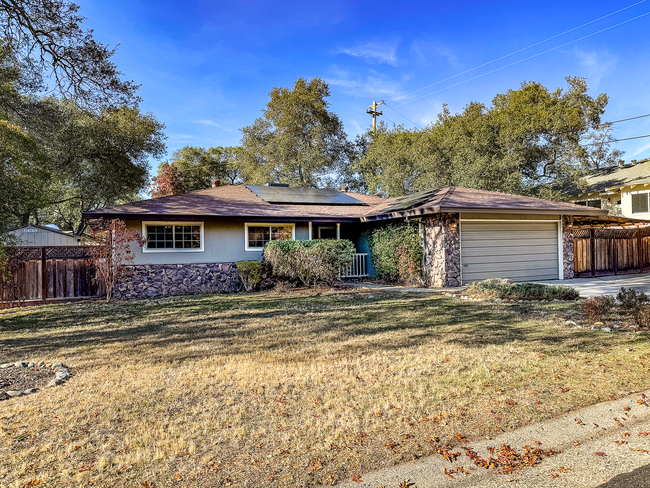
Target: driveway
(606, 285)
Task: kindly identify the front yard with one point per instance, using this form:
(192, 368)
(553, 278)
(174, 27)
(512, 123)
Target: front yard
(289, 389)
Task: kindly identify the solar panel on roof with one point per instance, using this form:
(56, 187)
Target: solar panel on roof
(303, 196)
(411, 201)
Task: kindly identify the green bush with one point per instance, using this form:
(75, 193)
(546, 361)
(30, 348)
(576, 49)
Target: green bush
(250, 273)
(631, 299)
(310, 262)
(506, 289)
(397, 253)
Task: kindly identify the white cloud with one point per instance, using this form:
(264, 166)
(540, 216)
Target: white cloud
(640, 150)
(597, 64)
(379, 52)
(372, 84)
(211, 123)
(426, 53)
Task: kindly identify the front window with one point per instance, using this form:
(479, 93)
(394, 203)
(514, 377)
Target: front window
(163, 236)
(639, 203)
(257, 235)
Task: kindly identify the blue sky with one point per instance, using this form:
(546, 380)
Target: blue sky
(206, 68)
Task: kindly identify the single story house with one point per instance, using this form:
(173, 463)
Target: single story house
(623, 190)
(32, 235)
(194, 239)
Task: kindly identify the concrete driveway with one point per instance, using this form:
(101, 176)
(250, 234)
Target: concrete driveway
(606, 285)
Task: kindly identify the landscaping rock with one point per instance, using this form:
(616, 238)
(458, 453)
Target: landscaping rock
(29, 391)
(595, 327)
(598, 324)
(21, 364)
(6, 365)
(498, 300)
(56, 381)
(534, 301)
(616, 326)
(31, 365)
(56, 365)
(14, 393)
(643, 332)
(606, 329)
(371, 297)
(570, 322)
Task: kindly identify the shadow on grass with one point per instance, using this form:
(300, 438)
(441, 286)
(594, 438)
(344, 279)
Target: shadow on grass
(231, 325)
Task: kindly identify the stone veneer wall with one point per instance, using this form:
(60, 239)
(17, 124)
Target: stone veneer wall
(567, 247)
(156, 280)
(442, 250)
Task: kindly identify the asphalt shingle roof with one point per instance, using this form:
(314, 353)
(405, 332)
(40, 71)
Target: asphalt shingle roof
(232, 201)
(604, 178)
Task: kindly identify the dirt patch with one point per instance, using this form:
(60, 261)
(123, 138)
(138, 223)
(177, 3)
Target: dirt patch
(20, 379)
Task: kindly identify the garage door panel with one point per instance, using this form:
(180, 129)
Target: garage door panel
(526, 276)
(517, 251)
(506, 258)
(478, 244)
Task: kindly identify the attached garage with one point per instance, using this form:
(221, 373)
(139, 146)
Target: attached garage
(517, 250)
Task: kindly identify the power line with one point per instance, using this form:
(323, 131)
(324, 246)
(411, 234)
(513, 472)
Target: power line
(630, 138)
(525, 59)
(518, 51)
(631, 118)
(398, 113)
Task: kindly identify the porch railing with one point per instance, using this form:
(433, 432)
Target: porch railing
(357, 268)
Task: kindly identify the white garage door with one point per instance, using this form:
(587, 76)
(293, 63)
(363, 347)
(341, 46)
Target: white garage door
(520, 251)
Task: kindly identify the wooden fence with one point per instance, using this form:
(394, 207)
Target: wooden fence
(601, 252)
(68, 275)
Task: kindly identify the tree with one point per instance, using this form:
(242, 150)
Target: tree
(47, 36)
(297, 141)
(167, 183)
(525, 142)
(98, 160)
(112, 252)
(197, 166)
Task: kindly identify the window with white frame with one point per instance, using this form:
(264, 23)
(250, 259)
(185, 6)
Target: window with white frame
(640, 203)
(257, 235)
(173, 236)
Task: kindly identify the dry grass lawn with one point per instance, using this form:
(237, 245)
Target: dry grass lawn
(289, 389)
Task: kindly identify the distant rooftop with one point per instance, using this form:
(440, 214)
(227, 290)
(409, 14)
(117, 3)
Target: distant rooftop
(612, 177)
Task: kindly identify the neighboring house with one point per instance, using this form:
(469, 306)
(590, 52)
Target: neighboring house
(623, 190)
(44, 235)
(194, 239)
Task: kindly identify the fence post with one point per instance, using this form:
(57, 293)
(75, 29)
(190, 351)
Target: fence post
(639, 242)
(43, 274)
(592, 240)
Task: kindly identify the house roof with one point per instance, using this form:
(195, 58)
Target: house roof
(237, 201)
(615, 176)
(48, 229)
(459, 199)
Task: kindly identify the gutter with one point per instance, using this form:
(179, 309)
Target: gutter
(442, 209)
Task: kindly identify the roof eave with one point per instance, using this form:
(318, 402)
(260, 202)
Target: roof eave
(442, 209)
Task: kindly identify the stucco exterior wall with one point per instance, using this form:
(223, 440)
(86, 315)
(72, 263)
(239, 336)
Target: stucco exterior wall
(224, 242)
(626, 204)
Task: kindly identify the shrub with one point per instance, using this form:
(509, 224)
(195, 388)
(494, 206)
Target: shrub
(397, 253)
(642, 316)
(310, 262)
(506, 289)
(596, 307)
(631, 299)
(250, 273)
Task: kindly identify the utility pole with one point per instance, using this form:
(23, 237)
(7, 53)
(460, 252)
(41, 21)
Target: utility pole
(374, 114)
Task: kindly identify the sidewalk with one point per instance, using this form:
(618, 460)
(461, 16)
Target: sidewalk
(405, 289)
(580, 435)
